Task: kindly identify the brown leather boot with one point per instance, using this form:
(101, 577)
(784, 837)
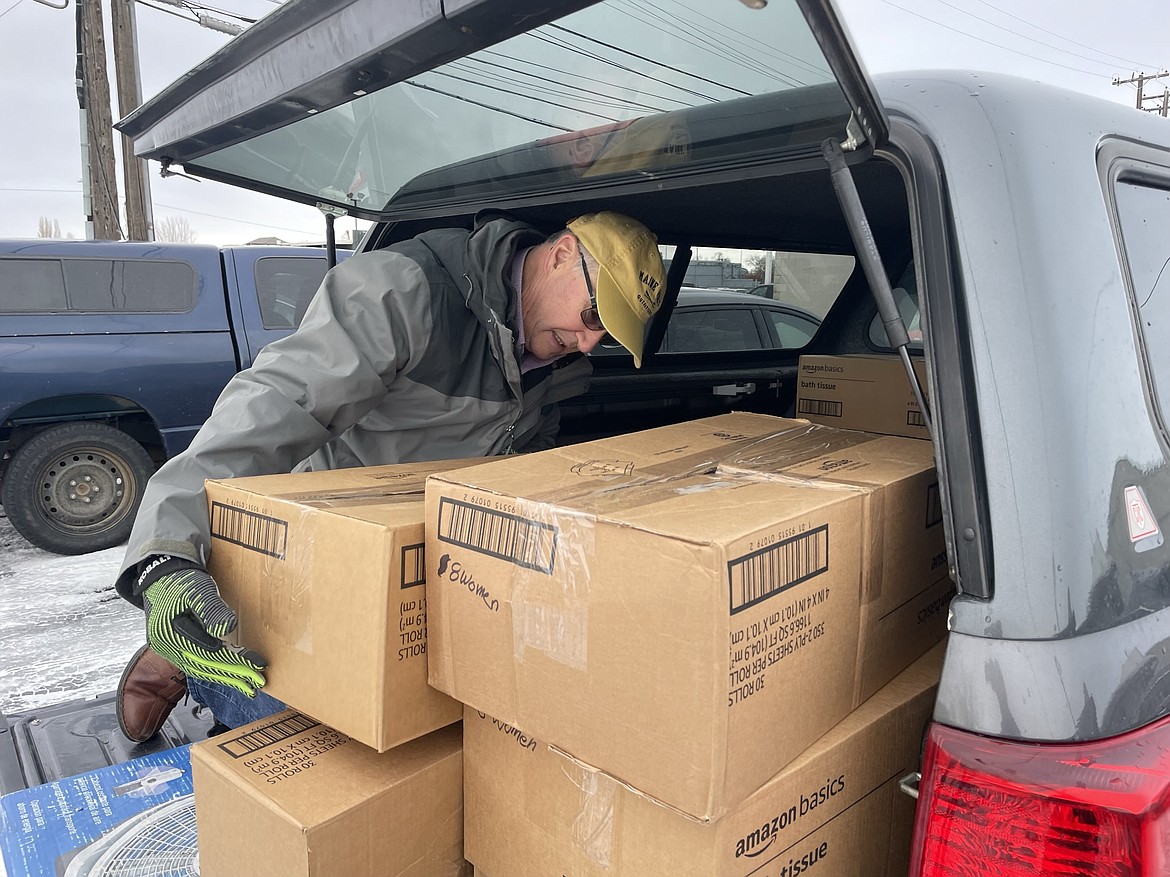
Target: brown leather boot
(148, 691)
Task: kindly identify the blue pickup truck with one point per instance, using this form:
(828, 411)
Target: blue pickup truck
(113, 354)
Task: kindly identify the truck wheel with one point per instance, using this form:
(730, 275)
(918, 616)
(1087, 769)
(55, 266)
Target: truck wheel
(75, 488)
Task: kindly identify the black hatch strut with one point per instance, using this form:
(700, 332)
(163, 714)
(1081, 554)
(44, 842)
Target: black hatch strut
(331, 212)
(674, 278)
(871, 263)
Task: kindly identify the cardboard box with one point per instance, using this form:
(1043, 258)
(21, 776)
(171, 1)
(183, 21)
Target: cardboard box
(651, 603)
(905, 584)
(835, 811)
(652, 626)
(68, 826)
(870, 393)
(290, 797)
(325, 571)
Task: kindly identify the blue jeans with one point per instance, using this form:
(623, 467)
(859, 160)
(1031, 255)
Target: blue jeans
(229, 706)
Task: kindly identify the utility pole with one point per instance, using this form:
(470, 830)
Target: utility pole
(139, 212)
(99, 180)
(1140, 79)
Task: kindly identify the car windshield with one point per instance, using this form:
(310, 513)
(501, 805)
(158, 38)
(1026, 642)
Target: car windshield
(617, 89)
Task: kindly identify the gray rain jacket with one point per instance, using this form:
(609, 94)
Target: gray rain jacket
(405, 354)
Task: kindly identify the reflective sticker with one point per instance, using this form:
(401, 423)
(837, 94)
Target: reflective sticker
(1143, 528)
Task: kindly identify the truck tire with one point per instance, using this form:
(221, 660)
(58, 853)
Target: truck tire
(75, 488)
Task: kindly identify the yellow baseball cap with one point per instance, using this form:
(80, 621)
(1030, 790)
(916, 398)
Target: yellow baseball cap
(631, 280)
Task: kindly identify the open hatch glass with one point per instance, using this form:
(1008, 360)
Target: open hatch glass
(617, 91)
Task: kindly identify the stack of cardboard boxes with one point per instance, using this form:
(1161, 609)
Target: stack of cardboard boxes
(326, 572)
(677, 651)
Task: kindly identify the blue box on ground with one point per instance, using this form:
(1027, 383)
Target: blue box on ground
(135, 817)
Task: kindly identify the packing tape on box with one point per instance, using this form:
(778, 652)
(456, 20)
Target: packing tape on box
(353, 497)
(550, 584)
(593, 828)
(767, 451)
(873, 537)
(550, 593)
(267, 541)
(551, 575)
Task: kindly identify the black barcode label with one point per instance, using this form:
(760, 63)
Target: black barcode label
(773, 570)
(524, 542)
(915, 418)
(277, 732)
(248, 529)
(414, 571)
(933, 506)
(821, 407)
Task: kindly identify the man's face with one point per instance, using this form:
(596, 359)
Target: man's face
(555, 295)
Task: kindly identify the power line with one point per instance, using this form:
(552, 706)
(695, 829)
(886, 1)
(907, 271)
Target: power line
(10, 8)
(567, 46)
(989, 42)
(621, 103)
(199, 16)
(1024, 36)
(196, 8)
(477, 103)
(648, 60)
(1140, 80)
(232, 219)
(761, 46)
(506, 91)
(193, 6)
(27, 189)
(581, 77)
(258, 223)
(706, 42)
(167, 11)
(1066, 39)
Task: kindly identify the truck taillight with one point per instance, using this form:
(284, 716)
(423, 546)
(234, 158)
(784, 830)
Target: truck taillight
(1000, 808)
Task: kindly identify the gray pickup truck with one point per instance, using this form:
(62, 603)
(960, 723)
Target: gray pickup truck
(1026, 225)
(114, 353)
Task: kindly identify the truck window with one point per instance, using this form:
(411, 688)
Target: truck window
(134, 286)
(906, 298)
(96, 286)
(710, 330)
(800, 288)
(1144, 213)
(31, 286)
(792, 331)
(284, 287)
(809, 281)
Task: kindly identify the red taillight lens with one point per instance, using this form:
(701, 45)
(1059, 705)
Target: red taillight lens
(999, 808)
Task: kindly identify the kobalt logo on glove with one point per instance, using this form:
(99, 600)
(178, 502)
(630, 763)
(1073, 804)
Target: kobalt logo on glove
(186, 622)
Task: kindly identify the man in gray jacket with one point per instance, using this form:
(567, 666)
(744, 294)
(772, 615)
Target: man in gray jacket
(451, 344)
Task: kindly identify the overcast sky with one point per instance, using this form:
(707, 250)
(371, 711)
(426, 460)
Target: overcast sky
(1077, 44)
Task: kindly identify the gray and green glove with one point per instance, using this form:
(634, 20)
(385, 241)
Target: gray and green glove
(186, 620)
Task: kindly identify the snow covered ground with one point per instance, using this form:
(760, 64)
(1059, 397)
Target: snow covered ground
(64, 631)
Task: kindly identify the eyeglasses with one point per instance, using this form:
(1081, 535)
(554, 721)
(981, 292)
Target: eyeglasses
(590, 317)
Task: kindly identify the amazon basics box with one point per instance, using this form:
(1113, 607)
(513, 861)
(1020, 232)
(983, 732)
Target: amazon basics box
(870, 393)
(835, 811)
(652, 606)
(325, 571)
(290, 797)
